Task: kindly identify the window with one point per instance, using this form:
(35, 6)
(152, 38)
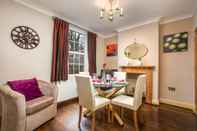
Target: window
(77, 51)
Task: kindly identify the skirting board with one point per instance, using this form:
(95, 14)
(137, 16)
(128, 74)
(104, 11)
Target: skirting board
(178, 103)
(155, 102)
(72, 100)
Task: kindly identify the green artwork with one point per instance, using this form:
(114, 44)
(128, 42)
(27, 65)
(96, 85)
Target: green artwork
(176, 42)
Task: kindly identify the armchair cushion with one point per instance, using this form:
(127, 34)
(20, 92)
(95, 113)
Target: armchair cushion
(38, 104)
(29, 88)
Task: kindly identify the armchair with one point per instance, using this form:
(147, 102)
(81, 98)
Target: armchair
(19, 115)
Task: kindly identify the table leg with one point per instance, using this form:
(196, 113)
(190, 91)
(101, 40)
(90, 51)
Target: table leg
(109, 113)
(115, 114)
(121, 112)
(118, 118)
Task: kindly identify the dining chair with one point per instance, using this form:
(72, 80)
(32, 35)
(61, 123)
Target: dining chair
(88, 99)
(132, 80)
(132, 103)
(120, 76)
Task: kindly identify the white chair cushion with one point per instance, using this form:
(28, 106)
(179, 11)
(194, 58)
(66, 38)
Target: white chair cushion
(100, 102)
(124, 101)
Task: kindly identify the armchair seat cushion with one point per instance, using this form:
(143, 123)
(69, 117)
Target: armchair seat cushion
(38, 104)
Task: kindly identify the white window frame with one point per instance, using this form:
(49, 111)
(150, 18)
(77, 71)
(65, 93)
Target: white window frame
(77, 29)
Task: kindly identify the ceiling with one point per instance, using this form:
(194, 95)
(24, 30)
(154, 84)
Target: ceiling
(86, 12)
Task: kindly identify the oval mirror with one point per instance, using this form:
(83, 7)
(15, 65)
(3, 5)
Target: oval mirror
(135, 51)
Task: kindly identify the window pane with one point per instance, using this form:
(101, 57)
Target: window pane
(72, 35)
(77, 37)
(82, 47)
(76, 59)
(76, 69)
(71, 58)
(76, 46)
(81, 59)
(71, 68)
(82, 38)
(81, 68)
(71, 46)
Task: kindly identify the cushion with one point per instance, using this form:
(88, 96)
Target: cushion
(38, 104)
(101, 102)
(29, 88)
(123, 101)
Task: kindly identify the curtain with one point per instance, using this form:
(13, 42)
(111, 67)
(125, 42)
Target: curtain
(92, 52)
(59, 69)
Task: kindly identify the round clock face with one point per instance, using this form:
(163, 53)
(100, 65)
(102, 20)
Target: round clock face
(25, 37)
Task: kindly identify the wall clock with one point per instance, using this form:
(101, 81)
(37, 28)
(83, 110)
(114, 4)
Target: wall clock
(25, 37)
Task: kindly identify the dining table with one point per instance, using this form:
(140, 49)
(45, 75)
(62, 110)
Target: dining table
(110, 90)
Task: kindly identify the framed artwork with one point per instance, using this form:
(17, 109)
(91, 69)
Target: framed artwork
(112, 49)
(175, 42)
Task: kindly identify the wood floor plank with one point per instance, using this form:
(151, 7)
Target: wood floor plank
(162, 118)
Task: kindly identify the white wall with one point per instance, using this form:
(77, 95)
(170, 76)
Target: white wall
(177, 69)
(149, 36)
(67, 89)
(17, 63)
(101, 57)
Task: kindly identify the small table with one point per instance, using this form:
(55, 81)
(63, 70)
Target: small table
(109, 93)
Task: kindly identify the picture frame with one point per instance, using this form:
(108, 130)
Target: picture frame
(111, 49)
(177, 42)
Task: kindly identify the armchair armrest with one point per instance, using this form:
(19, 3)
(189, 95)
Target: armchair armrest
(48, 89)
(13, 109)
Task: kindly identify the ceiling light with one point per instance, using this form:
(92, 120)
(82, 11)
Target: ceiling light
(110, 9)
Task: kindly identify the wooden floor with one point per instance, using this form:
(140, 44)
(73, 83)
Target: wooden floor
(162, 118)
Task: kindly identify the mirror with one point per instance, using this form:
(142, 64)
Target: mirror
(136, 51)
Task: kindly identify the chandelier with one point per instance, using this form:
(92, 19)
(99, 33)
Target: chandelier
(111, 9)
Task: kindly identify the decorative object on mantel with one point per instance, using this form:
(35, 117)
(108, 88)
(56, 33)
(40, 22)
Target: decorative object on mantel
(25, 37)
(112, 49)
(110, 8)
(135, 52)
(177, 42)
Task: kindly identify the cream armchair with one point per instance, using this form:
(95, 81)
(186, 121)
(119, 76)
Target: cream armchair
(19, 115)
